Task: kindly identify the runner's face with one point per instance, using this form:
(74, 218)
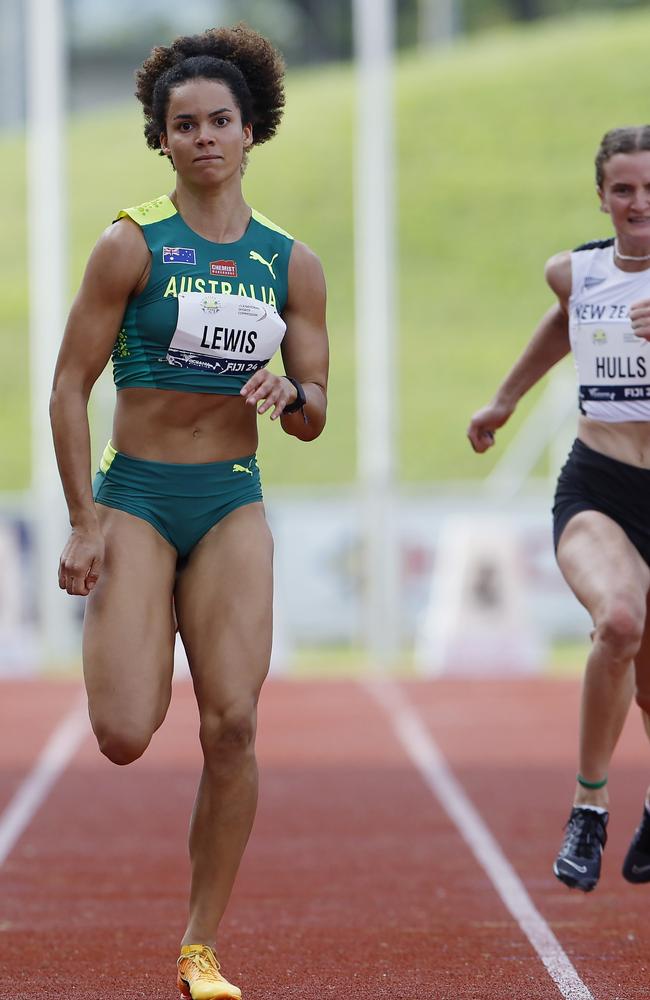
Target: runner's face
(205, 136)
(625, 194)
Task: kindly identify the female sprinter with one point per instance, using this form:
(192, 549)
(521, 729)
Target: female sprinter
(602, 504)
(191, 294)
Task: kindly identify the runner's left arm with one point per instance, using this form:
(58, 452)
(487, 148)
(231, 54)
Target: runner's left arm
(305, 352)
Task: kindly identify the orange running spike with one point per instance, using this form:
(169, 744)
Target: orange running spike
(199, 977)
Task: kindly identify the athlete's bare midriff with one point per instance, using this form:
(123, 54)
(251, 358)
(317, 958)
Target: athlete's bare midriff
(189, 427)
(628, 441)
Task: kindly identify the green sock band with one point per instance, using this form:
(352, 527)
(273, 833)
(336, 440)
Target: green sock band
(591, 784)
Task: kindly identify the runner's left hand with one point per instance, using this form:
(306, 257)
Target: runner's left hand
(275, 391)
(640, 318)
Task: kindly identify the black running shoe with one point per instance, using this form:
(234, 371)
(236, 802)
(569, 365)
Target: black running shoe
(578, 861)
(636, 867)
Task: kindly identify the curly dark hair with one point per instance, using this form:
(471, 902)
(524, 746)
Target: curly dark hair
(628, 139)
(239, 56)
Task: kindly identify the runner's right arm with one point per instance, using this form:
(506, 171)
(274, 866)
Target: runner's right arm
(114, 269)
(548, 345)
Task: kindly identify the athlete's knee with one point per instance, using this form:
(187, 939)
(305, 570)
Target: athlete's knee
(121, 745)
(620, 631)
(228, 733)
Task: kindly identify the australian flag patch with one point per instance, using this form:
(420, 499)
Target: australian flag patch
(179, 255)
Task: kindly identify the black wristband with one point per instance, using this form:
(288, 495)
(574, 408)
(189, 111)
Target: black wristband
(299, 401)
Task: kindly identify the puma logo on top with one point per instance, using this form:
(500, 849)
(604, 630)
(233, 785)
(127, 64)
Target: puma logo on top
(254, 255)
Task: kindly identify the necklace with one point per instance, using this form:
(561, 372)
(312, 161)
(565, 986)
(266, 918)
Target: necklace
(624, 256)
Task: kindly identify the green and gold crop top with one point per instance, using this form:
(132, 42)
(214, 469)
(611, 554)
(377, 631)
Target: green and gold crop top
(210, 313)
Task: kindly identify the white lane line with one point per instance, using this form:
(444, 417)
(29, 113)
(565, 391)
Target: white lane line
(433, 769)
(54, 759)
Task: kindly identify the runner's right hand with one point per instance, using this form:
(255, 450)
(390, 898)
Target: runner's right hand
(81, 561)
(484, 423)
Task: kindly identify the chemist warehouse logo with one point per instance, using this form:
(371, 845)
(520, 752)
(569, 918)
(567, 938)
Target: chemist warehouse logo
(223, 268)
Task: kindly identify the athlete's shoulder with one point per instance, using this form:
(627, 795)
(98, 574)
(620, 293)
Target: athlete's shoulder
(117, 261)
(558, 266)
(303, 256)
(156, 210)
(558, 273)
(122, 237)
(306, 275)
(266, 223)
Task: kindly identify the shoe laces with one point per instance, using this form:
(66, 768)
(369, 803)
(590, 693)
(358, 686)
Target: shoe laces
(585, 832)
(205, 961)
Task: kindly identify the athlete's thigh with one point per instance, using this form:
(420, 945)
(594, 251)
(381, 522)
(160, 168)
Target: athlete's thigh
(128, 640)
(224, 604)
(601, 565)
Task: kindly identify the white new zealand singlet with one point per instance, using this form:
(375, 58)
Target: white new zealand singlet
(613, 366)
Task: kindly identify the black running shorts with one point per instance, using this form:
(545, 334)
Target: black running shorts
(591, 481)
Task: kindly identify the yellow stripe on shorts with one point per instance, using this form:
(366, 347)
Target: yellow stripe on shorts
(107, 457)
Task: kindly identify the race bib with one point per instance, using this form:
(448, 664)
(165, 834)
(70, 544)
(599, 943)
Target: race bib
(612, 363)
(224, 334)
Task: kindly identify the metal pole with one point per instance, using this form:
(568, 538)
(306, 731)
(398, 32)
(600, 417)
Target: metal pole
(376, 278)
(48, 279)
(438, 21)
(11, 64)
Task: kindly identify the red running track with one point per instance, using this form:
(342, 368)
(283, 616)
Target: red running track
(356, 882)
